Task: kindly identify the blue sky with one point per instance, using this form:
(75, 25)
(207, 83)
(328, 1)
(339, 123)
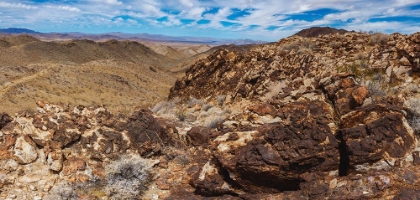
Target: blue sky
(267, 20)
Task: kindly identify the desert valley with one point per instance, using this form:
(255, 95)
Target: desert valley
(323, 114)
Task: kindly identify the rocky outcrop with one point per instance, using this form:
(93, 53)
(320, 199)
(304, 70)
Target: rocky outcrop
(73, 145)
(315, 118)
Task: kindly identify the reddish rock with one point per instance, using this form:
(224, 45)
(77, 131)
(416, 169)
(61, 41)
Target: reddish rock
(199, 136)
(347, 83)
(262, 109)
(145, 133)
(360, 94)
(72, 165)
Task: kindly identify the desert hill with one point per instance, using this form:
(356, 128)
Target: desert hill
(328, 117)
(119, 74)
(316, 31)
(25, 49)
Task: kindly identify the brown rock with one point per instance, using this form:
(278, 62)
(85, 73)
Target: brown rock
(408, 194)
(272, 158)
(199, 136)
(262, 109)
(360, 94)
(347, 83)
(4, 119)
(72, 165)
(404, 61)
(209, 181)
(368, 143)
(416, 158)
(145, 133)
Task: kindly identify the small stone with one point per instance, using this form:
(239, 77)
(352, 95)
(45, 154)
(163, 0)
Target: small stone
(404, 61)
(12, 196)
(360, 94)
(333, 183)
(47, 188)
(33, 188)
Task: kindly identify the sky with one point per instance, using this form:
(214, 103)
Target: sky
(267, 20)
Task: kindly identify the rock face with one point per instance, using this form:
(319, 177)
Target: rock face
(315, 118)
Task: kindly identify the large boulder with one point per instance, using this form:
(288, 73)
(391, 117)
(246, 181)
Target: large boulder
(275, 157)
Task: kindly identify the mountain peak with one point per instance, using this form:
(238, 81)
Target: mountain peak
(316, 31)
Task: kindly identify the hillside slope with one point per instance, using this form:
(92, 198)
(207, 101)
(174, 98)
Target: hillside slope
(119, 74)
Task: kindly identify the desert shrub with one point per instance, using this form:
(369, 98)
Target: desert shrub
(206, 107)
(415, 124)
(63, 190)
(378, 39)
(413, 105)
(193, 101)
(304, 50)
(291, 46)
(213, 121)
(296, 45)
(180, 114)
(165, 106)
(360, 56)
(220, 99)
(335, 45)
(377, 88)
(128, 177)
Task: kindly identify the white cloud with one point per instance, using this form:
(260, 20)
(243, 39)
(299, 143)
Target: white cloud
(16, 5)
(111, 2)
(67, 8)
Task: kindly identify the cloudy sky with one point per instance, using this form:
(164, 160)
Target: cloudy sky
(267, 20)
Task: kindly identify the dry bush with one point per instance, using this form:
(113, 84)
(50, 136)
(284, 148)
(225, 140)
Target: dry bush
(305, 51)
(213, 121)
(220, 99)
(335, 45)
(128, 177)
(413, 105)
(291, 46)
(206, 107)
(193, 101)
(378, 39)
(63, 190)
(165, 106)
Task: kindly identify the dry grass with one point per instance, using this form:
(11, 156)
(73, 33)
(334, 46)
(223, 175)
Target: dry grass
(378, 39)
(119, 86)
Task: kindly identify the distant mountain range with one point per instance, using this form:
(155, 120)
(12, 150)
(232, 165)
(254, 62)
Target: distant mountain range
(127, 36)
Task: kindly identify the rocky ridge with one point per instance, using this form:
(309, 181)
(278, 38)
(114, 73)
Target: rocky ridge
(330, 117)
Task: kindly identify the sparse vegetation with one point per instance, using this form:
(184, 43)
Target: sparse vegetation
(180, 113)
(128, 177)
(220, 99)
(378, 39)
(165, 106)
(414, 105)
(213, 121)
